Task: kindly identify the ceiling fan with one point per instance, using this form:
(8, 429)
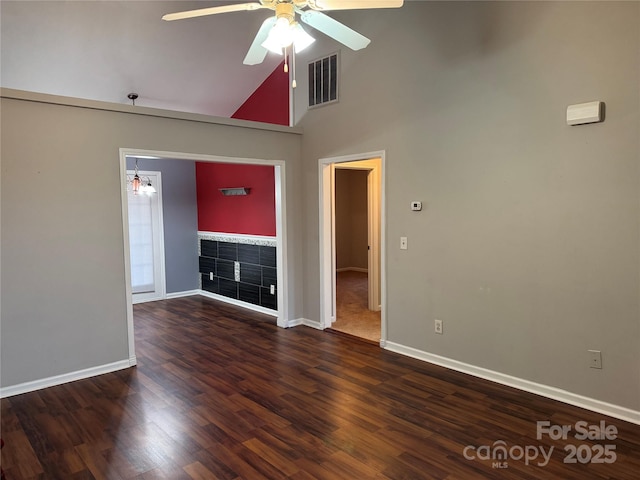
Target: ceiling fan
(281, 31)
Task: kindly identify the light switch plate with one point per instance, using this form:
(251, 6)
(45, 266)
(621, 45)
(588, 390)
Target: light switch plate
(595, 359)
(236, 271)
(403, 243)
(581, 113)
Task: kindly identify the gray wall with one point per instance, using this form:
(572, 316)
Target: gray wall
(351, 218)
(60, 228)
(180, 215)
(527, 245)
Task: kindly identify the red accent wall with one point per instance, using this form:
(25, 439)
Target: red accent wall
(270, 102)
(253, 214)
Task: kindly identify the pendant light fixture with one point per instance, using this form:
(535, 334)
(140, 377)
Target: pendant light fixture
(138, 185)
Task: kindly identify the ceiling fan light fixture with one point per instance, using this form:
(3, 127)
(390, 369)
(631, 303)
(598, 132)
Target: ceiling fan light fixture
(270, 38)
(280, 36)
(273, 45)
(283, 34)
(301, 39)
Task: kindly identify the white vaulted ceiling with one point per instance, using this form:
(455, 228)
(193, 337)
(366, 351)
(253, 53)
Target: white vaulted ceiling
(103, 50)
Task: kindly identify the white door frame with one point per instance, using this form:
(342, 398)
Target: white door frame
(160, 279)
(327, 232)
(283, 320)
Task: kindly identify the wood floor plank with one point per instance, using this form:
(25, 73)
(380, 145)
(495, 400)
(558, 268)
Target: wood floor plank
(218, 468)
(268, 454)
(19, 461)
(197, 471)
(223, 394)
(233, 462)
(305, 445)
(97, 463)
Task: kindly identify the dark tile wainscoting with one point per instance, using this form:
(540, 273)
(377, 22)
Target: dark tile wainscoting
(239, 268)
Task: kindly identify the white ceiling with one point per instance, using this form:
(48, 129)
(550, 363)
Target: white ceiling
(103, 50)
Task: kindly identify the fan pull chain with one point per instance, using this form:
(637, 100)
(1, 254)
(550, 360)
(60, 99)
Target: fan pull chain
(293, 62)
(286, 65)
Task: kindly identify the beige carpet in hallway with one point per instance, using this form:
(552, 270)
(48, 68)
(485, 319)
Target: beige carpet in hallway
(353, 316)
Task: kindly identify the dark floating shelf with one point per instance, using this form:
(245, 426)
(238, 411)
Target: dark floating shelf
(227, 192)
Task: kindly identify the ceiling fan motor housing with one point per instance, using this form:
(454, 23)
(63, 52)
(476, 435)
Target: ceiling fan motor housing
(286, 11)
(296, 3)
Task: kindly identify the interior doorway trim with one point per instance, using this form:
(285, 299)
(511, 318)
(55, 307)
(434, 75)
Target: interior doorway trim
(281, 225)
(326, 177)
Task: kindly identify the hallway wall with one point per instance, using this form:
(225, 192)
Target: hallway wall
(351, 219)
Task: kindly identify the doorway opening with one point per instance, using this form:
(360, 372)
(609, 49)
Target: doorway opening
(351, 249)
(146, 241)
(281, 312)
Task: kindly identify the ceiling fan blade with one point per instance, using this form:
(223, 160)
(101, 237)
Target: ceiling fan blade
(212, 11)
(335, 29)
(256, 51)
(354, 4)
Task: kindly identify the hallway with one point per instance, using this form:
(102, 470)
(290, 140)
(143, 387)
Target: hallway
(353, 316)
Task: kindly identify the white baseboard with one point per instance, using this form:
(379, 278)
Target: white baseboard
(564, 396)
(312, 324)
(352, 269)
(186, 293)
(306, 322)
(238, 303)
(168, 296)
(65, 378)
(137, 300)
(295, 322)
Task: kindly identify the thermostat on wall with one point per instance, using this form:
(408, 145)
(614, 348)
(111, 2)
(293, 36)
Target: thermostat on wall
(582, 113)
(416, 206)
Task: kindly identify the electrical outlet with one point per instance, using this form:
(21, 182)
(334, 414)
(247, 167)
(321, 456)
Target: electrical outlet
(438, 326)
(595, 359)
(210, 275)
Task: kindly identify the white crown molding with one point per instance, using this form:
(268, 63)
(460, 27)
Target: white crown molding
(28, 96)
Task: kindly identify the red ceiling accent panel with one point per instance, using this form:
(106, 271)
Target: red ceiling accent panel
(270, 102)
(252, 214)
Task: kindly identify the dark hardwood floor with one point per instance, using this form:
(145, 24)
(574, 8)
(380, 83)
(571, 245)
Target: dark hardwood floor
(220, 393)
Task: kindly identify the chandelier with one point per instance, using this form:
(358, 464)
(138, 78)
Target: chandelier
(139, 184)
